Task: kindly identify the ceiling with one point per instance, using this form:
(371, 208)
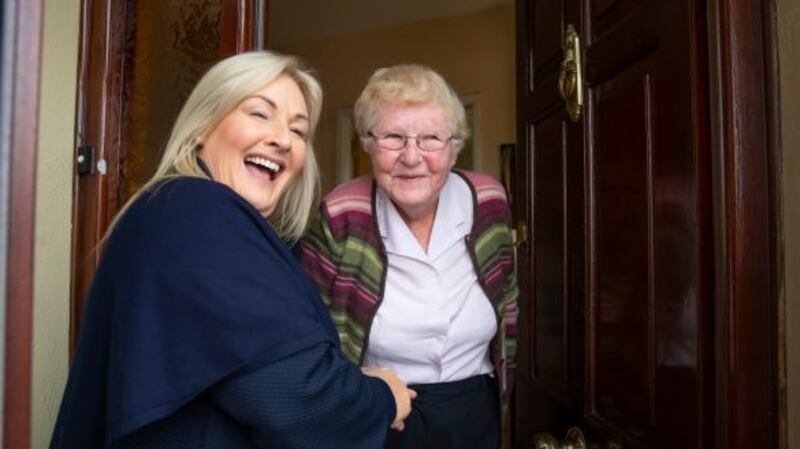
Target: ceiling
(300, 20)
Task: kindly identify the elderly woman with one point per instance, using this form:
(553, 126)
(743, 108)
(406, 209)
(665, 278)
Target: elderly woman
(416, 262)
(201, 330)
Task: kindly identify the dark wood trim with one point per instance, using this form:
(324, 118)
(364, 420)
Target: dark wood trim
(26, 47)
(744, 153)
(521, 214)
(265, 20)
(243, 26)
(775, 145)
(98, 123)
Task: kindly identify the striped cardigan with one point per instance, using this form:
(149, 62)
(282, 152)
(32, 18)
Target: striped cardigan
(344, 254)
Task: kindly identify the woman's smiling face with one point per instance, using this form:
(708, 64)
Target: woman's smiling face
(259, 147)
(411, 177)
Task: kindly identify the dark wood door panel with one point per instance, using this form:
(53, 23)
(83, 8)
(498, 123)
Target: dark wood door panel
(558, 255)
(604, 15)
(646, 266)
(546, 100)
(632, 38)
(621, 304)
(553, 342)
(548, 19)
(549, 261)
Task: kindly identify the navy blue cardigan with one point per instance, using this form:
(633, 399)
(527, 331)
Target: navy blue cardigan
(194, 293)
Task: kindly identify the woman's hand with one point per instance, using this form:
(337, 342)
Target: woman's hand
(402, 394)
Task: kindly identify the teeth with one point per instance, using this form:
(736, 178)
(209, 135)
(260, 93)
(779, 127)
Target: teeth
(266, 163)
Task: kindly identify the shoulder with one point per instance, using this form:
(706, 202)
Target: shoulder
(186, 197)
(352, 196)
(186, 209)
(486, 187)
(190, 190)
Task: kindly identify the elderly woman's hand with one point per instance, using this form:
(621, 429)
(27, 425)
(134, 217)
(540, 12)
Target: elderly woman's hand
(402, 394)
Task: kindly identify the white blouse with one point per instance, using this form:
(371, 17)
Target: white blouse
(434, 323)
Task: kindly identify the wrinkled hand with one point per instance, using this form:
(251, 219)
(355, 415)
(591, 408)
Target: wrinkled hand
(402, 394)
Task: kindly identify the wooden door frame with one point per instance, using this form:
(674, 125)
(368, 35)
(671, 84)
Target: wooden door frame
(745, 125)
(21, 63)
(99, 124)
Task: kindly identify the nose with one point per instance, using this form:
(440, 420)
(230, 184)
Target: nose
(279, 136)
(411, 154)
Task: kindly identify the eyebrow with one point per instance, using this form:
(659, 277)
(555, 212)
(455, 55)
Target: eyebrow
(275, 106)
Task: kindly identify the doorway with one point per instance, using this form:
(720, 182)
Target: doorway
(735, 80)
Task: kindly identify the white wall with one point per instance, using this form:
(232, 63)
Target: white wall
(53, 214)
(789, 60)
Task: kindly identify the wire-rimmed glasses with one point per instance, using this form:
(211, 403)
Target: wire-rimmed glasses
(429, 142)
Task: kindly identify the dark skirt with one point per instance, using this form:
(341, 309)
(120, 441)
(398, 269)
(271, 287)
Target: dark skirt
(452, 415)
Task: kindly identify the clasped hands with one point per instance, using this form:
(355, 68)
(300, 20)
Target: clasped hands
(402, 394)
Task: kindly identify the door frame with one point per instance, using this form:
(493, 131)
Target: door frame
(19, 85)
(745, 144)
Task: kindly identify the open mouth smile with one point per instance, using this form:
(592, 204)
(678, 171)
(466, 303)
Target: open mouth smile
(264, 165)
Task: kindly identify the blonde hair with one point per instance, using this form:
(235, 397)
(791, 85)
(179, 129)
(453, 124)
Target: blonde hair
(409, 84)
(217, 93)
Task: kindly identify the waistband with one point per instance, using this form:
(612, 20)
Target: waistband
(455, 387)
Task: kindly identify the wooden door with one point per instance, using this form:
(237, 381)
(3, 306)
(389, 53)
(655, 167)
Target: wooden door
(647, 239)
(139, 60)
(617, 267)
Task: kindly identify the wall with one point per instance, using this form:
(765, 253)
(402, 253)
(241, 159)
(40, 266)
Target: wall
(474, 52)
(789, 60)
(53, 214)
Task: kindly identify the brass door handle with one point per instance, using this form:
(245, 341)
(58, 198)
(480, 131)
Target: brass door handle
(570, 78)
(573, 440)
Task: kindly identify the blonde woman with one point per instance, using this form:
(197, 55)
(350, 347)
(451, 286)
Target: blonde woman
(201, 331)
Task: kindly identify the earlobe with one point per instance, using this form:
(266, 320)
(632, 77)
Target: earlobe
(197, 143)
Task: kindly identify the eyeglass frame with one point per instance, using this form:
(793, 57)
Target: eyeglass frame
(416, 138)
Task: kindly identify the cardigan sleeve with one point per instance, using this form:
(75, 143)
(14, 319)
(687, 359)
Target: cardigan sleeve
(318, 255)
(312, 399)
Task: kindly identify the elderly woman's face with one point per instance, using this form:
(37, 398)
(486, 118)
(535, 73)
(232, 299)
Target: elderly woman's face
(412, 178)
(260, 146)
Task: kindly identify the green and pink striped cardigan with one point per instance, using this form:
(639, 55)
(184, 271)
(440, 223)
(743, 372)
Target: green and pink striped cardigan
(344, 254)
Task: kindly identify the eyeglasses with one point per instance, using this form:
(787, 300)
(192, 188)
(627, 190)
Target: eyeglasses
(425, 142)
